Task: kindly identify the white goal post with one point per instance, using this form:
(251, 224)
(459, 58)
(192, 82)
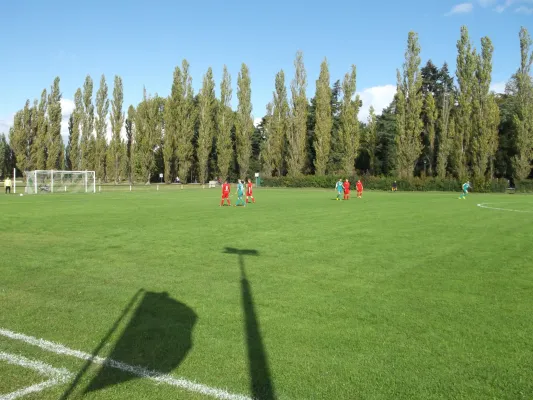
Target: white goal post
(52, 181)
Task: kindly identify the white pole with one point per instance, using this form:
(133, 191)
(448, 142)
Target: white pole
(94, 182)
(65, 189)
(130, 188)
(157, 187)
(35, 180)
(52, 189)
(14, 180)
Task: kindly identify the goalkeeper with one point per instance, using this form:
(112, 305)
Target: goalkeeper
(466, 187)
(240, 194)
(339, 188)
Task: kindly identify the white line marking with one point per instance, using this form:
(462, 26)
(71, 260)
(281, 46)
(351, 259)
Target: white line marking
(133, 369)
(58, 375)
(486, 205)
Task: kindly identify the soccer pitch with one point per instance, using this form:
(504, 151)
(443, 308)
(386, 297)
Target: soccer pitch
(164, 294)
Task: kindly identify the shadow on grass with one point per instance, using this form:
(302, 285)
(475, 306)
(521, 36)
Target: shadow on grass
(260, 380)
(157, 337)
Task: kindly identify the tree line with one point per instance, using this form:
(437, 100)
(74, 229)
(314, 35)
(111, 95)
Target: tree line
(435, 126)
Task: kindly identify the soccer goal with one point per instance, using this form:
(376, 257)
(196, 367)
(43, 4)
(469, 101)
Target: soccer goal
(52, 181)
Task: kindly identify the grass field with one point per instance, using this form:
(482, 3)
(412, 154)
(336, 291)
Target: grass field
(393, 296)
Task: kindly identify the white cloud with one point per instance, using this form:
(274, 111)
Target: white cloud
(462, 8)
(377, 96)
(257, 121)
(498, 87)
(486, 3)
(524, 10)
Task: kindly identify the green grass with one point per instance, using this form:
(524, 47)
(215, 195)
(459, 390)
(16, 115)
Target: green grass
(393, 296)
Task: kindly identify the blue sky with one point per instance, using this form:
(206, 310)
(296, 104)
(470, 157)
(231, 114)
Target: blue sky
(143, 41)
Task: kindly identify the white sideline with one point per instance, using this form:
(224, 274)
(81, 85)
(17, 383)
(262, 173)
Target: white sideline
(133, 369)
(486, 205)
(58, 375)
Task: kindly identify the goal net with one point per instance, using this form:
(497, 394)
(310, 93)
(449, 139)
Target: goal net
(51, 181)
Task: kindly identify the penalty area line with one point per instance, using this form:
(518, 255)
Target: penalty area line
(139, 371)
(486, 205)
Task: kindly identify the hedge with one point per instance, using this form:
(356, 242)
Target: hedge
(385, 183)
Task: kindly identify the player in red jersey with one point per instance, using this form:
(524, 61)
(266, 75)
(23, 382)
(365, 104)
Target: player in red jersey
(249, 192)
(346, 189)
(225, 193)
(359, 186)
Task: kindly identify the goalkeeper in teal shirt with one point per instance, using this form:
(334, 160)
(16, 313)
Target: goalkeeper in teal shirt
(340, 189)
(466, 186)
(240, 194)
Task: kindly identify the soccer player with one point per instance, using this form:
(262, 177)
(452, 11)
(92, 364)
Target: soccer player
(240, 194)
(340, 188)
(359, 186)
(466, 186)
(7, 185)
(225, 193)
(249, 192)
(394, 186)
(346, 190)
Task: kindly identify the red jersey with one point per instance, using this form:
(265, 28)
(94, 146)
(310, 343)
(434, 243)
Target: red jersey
(249, 187)
(359, 186)
(225, 189)
(346, 186)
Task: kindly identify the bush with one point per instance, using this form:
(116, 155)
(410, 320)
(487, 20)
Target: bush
(416, 184)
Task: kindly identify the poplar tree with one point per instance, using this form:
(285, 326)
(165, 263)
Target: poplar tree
(349, 123)
(171, 126)
(523, 118)
(117, 122)
(323, 120)
(466, 67)
(102, 108)
(244, 125)
(21, 139)
(148, 130)
(206, 107)
(279, 125)
(298, 128)
(446, 134)
(55, 142)
(86, 150)
(267, 152)
(371, 139)
(485, 113)
(224, 144)
(39, 148)
(185, 120)
(408, 109)
(431, 113)
(128, 165)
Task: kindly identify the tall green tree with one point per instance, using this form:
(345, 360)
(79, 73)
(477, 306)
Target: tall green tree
(5, 162)
(298, 129)
(55, 141)
(431, 116)
(523, 117)
(21, 139)
(278, 131)
(117, 122)
(408, 111)
(244, 125)
(324, 121)
(349, 123)
(86, 148)
(485, 114)
(267, 152)
(129, 124)
(75, 121)
(186, 120)
(371, 139)
(39, 147)
(466, 67)
(446, 132)
(171, 126)
(100, 124)
(206, 117)
(224, 124)
(148, 134)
